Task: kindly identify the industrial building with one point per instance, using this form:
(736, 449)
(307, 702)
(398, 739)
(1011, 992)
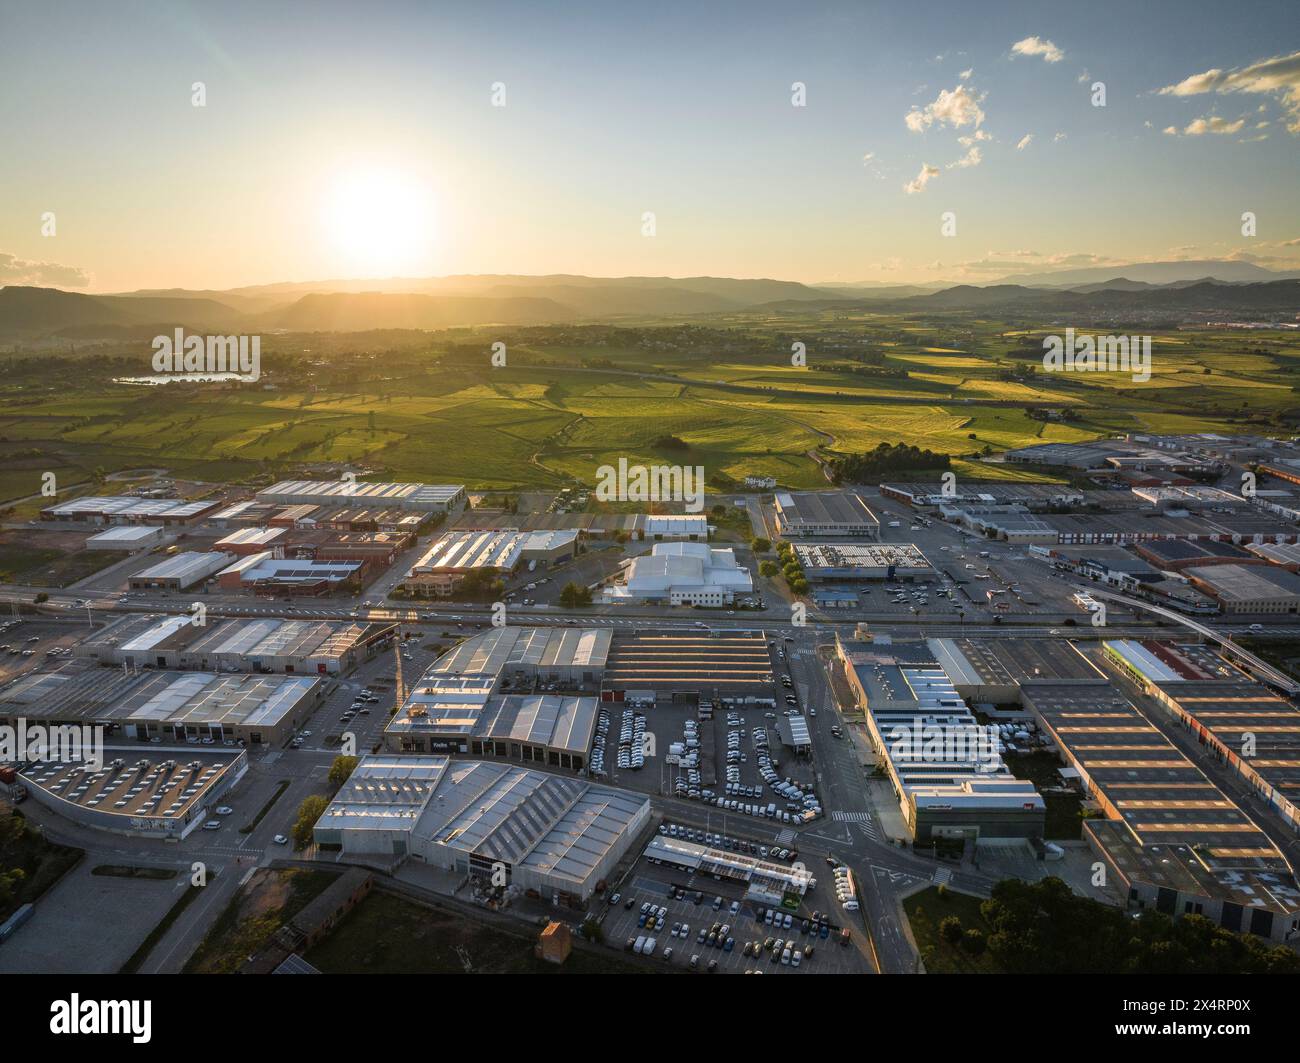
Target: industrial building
(666, 526)
(947, 771)
(555, 837)
(180, 571)
(252, 540)
(266, 574)
(192, 707)
(724, 666)
(827, 514)
(527, 694)
(500, 551)
(291, 647)
(1173, 841)
(127, 509)
(1245, 725)
(153, 796)
(1033, 496)
(425, 498)
(1174, 555)
(681, 573)
(863, 561)
(126, 537)
(1248, 589)
(567, 658)
(1284, 555)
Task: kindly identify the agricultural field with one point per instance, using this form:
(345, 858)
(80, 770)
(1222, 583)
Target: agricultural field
(431, 407)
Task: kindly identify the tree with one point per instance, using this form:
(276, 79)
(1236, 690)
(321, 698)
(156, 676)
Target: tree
(768, 569)
(574, 596)
(950, 929)
(480, 584)
(341, 769)
(760, 545)
(309, 812)
(974, 942)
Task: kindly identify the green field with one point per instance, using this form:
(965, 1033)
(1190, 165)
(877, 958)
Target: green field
(432, 408)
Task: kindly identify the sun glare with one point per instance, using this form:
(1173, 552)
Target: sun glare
(380, 222)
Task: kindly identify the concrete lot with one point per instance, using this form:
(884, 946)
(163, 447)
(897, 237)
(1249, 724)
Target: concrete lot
(89, 924)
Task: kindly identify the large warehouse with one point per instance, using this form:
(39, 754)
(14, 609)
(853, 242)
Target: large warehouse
(427, 498)
(525, 694)
(555, 836)
(311, 647)
(127, 509)
(670, 666)
(681, 573)
(1248, 589)
(825, 514)
(946, 770)
(181, 571)
(154, 796)
(192, 707)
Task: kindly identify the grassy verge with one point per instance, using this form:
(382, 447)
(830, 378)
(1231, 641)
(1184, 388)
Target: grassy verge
(926, 910)
(251, 826)
(387, 934)
(126, 871)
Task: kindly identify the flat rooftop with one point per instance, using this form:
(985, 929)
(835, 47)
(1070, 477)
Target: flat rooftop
(1247, 583)
(998, 662)
(82, 692)
(815, 508)
(463, 551)
(1161, 797)
(737, 661)
(905, 556)
(134, 786)
(503, 649)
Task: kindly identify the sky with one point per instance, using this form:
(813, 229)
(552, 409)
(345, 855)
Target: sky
(817, 142)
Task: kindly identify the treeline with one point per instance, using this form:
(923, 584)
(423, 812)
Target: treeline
(1045, 928)
(886, 459)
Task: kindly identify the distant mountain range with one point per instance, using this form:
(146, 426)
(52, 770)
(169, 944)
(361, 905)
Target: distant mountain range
(48, 314)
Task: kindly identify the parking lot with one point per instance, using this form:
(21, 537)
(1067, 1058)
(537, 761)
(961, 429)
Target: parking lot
(707, 903)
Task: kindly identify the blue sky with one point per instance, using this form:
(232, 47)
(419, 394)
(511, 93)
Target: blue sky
(613, 110)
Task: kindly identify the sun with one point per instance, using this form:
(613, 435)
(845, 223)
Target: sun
(380, 222)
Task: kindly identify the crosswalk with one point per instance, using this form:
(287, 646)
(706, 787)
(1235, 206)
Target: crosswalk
(942, 876)
(786, 837)
(838, 816)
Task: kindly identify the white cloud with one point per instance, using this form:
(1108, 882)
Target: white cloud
(868, 157)
(1171, 130)
(965, 74)
(1024, 142)
(1058, 138)
(973, 157)
(956, 108)
(1213, 124)
(1038, 46)
(14, 270)
(918, 183)
(1279, 76)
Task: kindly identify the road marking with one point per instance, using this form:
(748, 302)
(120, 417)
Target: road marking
(942, 876)
(838, 816)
